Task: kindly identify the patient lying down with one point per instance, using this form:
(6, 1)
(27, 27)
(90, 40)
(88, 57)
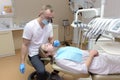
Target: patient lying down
(80, 61)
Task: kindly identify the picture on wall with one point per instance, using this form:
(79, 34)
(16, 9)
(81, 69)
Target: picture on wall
(6, 7)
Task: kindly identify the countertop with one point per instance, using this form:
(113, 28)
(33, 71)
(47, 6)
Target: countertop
(20, 28)
(11, 29)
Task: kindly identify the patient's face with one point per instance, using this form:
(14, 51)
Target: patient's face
(48, 47)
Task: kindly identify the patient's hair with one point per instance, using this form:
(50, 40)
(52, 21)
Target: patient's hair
(42, 52)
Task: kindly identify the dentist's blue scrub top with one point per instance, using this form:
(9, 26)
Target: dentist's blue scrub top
(70, 53)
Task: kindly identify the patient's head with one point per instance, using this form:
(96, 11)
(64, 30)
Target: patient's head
(48, 47)
(46, 50)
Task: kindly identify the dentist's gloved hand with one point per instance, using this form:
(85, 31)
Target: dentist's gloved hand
(22, 68)
(56, 43)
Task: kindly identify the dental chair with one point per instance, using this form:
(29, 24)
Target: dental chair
(90, 76)
(54, 75)
(75, 76)
(111, 47)
(106, 77)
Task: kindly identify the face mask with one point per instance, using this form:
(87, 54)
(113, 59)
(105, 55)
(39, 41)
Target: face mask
(45, 22)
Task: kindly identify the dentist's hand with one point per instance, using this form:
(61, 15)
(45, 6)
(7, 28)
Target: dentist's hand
(56, 43)
(22, 68)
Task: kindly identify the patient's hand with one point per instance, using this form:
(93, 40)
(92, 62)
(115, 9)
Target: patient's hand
(94, 53)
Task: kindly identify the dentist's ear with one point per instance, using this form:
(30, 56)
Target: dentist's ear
(40, 13)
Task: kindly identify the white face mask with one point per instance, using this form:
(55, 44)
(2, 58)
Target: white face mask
(45, 21)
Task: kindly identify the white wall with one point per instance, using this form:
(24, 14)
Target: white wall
(112, 8)
(26, 10)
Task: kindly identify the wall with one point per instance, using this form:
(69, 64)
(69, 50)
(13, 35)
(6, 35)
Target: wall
(26, 10)
(111, 8)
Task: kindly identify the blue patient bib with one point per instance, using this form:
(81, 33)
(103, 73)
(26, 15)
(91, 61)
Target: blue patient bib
(70, 53)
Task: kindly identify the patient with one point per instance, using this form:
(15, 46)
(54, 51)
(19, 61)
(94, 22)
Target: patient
(79, 61)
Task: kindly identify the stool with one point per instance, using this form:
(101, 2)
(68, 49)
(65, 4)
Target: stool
(33, 75)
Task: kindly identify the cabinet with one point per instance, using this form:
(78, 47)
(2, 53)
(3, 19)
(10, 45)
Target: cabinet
(17, 38)
(6, 37)
(6, 43)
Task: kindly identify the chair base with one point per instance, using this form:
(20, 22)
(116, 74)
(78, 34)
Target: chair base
(32, 76)
(52, 76)
(106, 77)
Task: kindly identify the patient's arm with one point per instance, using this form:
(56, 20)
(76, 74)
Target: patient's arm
(92, 54)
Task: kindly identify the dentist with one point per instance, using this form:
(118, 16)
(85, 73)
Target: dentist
(37, 32)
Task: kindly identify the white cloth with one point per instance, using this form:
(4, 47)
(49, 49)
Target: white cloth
(102, 64)
(36, 35)
(70, 53)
